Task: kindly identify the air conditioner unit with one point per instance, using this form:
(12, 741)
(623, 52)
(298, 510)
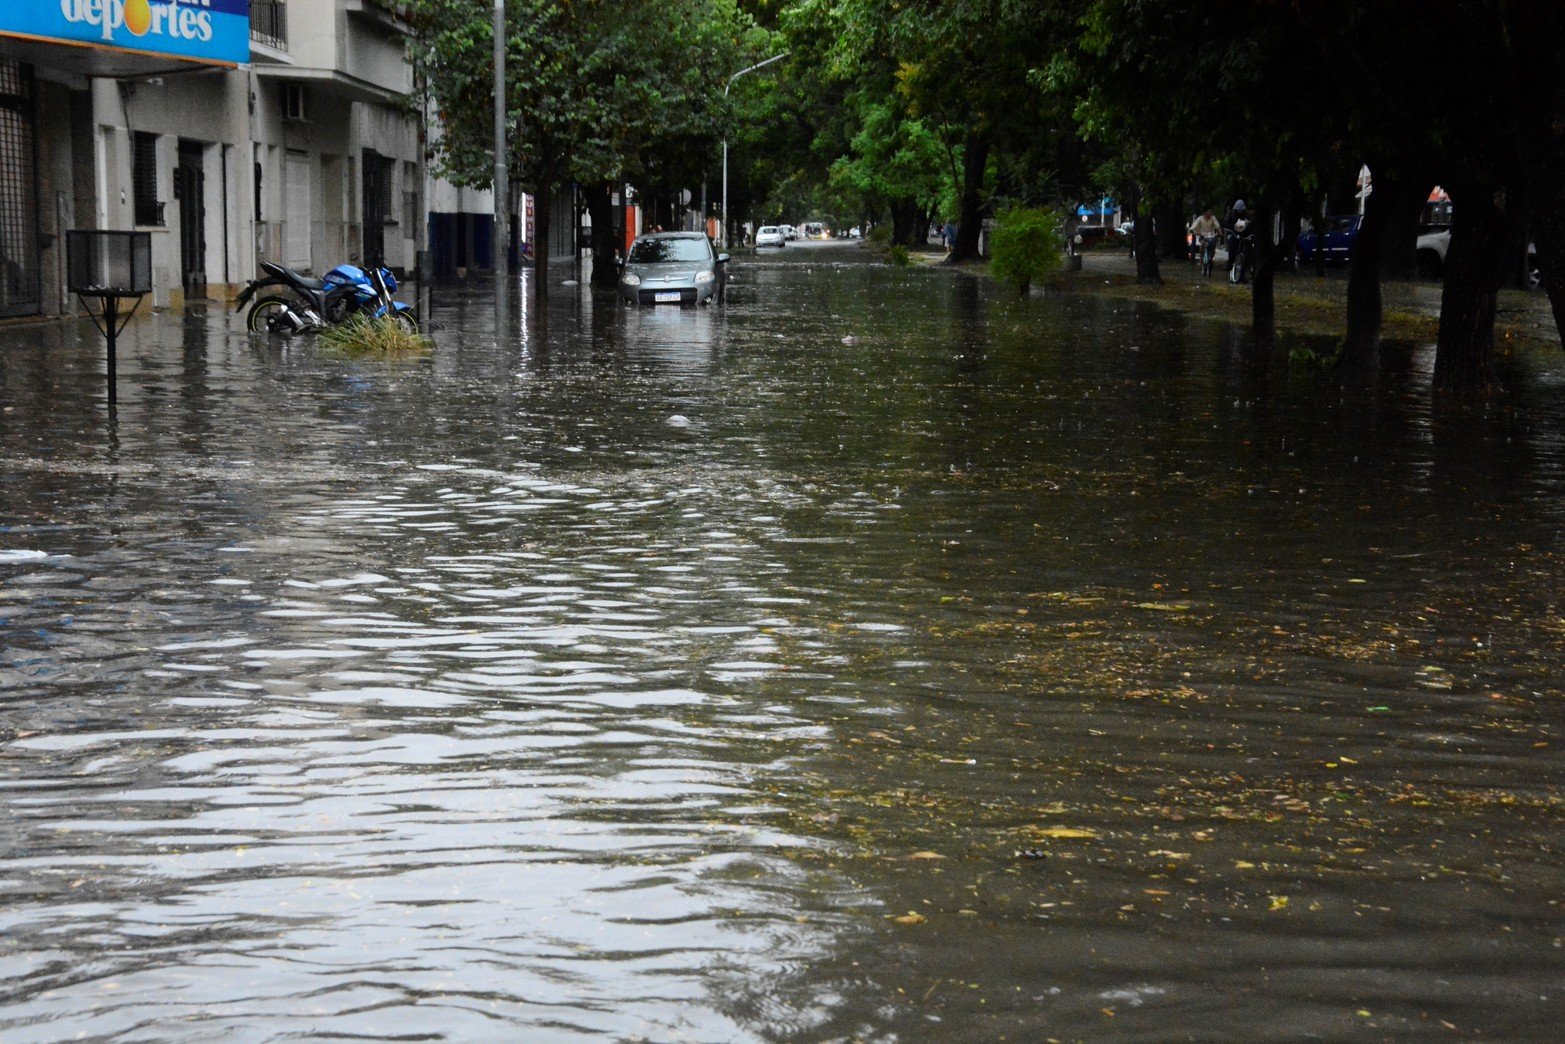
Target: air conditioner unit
(293, 101)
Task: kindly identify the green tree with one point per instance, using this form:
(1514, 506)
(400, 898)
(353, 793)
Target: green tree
(1026, 246)
(592, 95)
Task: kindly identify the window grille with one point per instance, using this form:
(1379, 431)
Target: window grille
(19, 289)
(144, 178)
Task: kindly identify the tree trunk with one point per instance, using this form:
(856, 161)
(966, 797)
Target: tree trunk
(1319, 222)
(1171, 239)
(975, 160)
(1533, 31)
(1548, 229)
(600, 205)
(1365, 306)
(1464, 354)
(1263, 288)
(542, 211)
(1143, 237)
(1399, 245)
(904, 214)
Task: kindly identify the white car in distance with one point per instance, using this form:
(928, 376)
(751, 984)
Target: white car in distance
(770, 235)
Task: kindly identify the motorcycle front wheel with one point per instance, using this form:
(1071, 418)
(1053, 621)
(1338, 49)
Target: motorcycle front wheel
(270, 315)
(406, 321)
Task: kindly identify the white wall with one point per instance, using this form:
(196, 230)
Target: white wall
(208, 106)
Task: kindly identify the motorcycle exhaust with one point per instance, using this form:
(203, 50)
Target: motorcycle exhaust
(291, 321)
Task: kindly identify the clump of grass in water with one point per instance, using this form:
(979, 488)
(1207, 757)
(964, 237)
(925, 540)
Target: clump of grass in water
(898, 256)
(365, 335)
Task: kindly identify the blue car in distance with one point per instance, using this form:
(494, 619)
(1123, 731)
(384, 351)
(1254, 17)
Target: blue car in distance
(1341, 234)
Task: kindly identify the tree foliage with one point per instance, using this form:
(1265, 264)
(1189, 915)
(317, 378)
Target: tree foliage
(955, 108)
(1026, 246)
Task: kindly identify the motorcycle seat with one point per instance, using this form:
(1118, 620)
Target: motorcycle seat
(288, 273)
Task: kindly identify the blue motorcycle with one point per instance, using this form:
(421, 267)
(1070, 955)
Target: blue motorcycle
(305, 305)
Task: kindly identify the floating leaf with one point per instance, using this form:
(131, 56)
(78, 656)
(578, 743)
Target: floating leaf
(1064, 831)
(911, 917)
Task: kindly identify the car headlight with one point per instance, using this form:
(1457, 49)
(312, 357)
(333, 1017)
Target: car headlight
(703, 277)
(631, 279)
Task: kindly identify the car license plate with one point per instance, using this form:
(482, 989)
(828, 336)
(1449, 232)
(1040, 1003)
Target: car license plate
(666, 297)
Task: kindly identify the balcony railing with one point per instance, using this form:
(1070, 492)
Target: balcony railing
(269, 23)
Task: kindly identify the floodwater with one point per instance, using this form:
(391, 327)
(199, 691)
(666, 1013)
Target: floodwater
(875, 656)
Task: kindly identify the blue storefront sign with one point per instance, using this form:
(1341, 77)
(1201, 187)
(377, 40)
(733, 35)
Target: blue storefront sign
(196, 30)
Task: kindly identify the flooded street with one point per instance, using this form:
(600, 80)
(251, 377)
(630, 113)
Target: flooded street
(874, 656)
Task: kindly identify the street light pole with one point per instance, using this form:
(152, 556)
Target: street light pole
(726, 87)
(502, 180)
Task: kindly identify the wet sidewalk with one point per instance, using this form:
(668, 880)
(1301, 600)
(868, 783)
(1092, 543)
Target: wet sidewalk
(1315, 303)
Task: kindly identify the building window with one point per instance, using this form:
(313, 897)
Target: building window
(144, 178)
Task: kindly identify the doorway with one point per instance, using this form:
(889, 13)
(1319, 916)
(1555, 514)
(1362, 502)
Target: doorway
(376, 198)
(190, 191)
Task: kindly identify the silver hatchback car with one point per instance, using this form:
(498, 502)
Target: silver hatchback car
(673, 268)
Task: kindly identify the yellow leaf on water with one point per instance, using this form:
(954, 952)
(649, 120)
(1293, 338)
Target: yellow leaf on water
(1165, 607)
(1063, 831)
(910, 917)
(1242, 865)
(1279, 902)
(926, 855)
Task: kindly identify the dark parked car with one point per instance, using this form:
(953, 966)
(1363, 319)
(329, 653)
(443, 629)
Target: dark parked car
(1088, 236)
(1341, 234)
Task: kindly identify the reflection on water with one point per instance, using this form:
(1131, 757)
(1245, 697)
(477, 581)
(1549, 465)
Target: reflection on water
(875, 656)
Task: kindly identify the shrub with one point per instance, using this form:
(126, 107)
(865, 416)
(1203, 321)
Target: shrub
(880, 236)
(898, 256)
(376, 336)
(1026, 246)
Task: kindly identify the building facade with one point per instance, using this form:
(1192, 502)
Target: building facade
(232, 130)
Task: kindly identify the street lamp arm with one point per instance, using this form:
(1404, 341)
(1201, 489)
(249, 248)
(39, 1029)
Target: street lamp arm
(752, 68)
(726, 86)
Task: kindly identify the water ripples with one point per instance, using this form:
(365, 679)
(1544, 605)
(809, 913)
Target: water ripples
(930, 676)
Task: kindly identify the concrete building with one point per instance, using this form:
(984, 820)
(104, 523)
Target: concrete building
(233, 131)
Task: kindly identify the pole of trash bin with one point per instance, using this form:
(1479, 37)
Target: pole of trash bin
(111, 315)
(426, 269)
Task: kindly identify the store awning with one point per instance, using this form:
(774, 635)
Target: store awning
(126, 37)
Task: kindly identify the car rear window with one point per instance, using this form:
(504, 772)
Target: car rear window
(653, 251)
(768, 228)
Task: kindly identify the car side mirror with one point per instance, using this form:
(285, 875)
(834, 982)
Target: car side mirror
(722, 259)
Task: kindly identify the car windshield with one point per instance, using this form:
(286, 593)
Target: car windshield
(656, 251)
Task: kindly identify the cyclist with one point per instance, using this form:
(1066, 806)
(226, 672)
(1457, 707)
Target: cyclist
(1204, 231)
